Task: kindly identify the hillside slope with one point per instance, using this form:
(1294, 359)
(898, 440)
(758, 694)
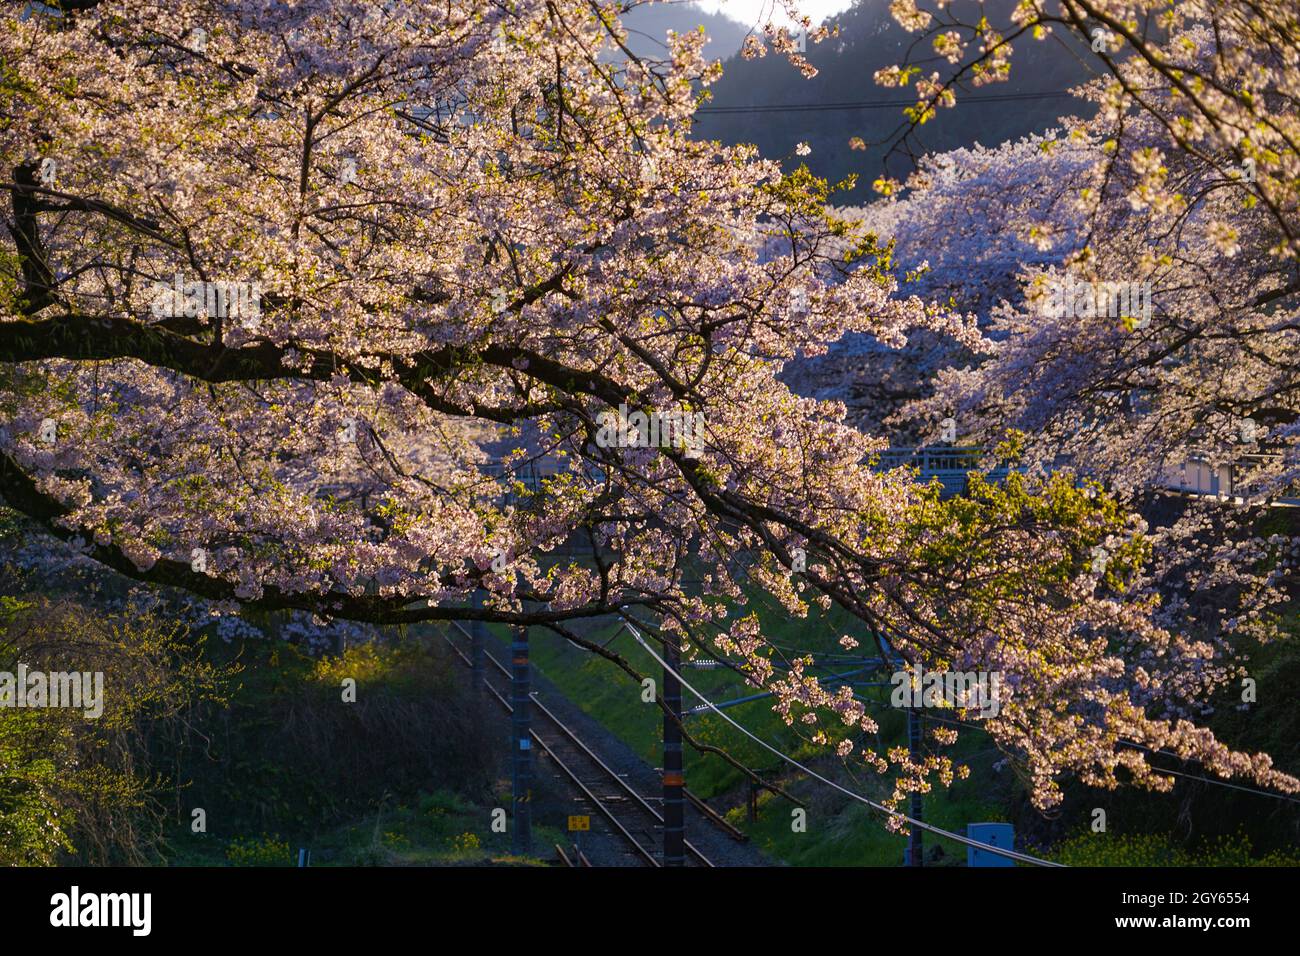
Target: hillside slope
(869, 40)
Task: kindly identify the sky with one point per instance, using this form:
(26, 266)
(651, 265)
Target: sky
(751, 12)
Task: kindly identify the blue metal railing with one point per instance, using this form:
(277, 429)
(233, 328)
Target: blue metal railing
(950, 464)
(1198, 475)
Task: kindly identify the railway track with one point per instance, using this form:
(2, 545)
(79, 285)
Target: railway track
(579, 859)
(636, 823)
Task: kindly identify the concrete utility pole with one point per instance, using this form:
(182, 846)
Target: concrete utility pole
(521, 840)
(477, 638)
(914, 801)
(674, 778)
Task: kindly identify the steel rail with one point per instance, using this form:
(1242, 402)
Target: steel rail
(596, 801)
(588, 752)
(593, 756)
(576, 780)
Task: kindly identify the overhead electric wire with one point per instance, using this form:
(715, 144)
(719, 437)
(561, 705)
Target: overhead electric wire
(810, 651)
(1210, 780)
(954, 722)
(873, 104)
(937, 831)
(1164, 753)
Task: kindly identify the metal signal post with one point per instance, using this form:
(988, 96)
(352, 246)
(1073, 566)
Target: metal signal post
(674, 777)
(521, 764)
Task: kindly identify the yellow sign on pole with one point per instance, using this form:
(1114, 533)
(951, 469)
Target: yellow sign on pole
(579, 823)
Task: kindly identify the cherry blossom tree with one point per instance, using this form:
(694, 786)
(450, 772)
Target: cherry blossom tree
(275, 272)
(958, 236)
(1187, 187)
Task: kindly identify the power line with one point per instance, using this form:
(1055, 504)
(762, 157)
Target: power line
(873, 104)
(952, 721)
(1211, 780)
(810, 651)
(938, 831)
(709, 705)
(1165, 753)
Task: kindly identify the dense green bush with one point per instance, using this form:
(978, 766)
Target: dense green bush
(77, 787)
(290, 755)
(265, 850)
(1152, 849)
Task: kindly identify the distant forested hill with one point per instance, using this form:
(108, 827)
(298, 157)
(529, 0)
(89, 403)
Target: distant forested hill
(648, 24)
(869, 39)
